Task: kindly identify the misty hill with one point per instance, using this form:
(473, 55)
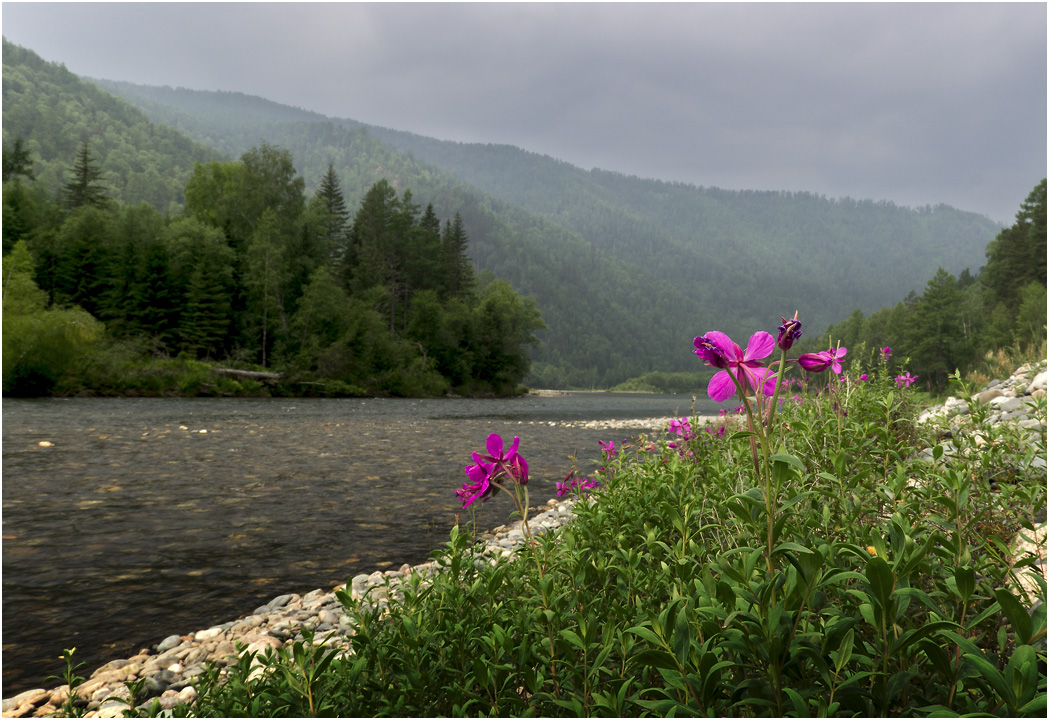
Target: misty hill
(54, 110)
(718, 247)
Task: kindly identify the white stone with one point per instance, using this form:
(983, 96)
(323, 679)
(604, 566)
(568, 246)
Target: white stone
(1038, 383)
(208, 634)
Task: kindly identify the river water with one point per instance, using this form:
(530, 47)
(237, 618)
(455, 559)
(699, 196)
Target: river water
(147, 517)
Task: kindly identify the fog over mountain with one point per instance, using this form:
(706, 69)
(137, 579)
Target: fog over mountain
(912, 103)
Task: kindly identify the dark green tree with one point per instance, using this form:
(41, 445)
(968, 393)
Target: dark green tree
(329, 206)
(202, 266)
(18, 162)
(85, 184)
(458, 269)
(83, 259)
(934, 337)
(504, 329)
(1017, 256)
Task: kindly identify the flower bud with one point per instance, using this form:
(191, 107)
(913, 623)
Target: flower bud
(789, 331)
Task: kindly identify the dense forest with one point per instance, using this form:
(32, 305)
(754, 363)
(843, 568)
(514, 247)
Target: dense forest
(625, 272)
(254, 273)
(957, 322)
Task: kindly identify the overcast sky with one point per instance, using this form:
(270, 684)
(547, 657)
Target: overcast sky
(913, 103)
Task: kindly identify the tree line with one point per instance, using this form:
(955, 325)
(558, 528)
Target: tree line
(255, 273)
(956, 321)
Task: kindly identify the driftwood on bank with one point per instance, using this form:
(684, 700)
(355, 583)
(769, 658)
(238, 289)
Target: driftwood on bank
(266, 377)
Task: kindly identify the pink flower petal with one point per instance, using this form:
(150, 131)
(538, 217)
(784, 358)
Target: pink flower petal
(760, 346)
(721, 387)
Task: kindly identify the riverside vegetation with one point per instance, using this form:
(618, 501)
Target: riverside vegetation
(800, 559)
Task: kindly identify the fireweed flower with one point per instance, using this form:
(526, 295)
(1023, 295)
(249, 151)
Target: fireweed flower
(818, 362)
(510, 460)
(608, 449)
(905, 380)
(487, 473)
(478, 485)
(682, 427)
(789, 331)
(718, 350)
(887, 352)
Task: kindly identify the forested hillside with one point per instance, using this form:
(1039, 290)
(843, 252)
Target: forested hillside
(969, 323)
(719, 245)
(606, 320)
(716, 247)
(53, 111)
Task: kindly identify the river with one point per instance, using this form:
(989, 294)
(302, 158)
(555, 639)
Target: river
(126, 520)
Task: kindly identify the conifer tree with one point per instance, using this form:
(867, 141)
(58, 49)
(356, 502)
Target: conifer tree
(334, 216)
(17, 162)
(85, 186)
(458, 270)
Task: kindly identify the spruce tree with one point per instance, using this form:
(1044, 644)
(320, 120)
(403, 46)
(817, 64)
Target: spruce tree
(85, 187)
(335, 216)
(17, 162)
(458, 270)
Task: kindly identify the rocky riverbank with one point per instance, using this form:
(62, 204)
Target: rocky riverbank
(166, 671)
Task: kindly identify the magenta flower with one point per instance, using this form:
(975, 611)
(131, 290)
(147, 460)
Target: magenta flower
(571, 483)
(818, 362)
(608, 449)
(478, 485)
(887, 352)
(905, 380)
(682, 427)
(718, 350)
(487, 473)
(509, 461)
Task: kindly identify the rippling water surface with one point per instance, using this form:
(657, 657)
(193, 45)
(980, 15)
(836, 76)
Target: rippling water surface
(136, 524)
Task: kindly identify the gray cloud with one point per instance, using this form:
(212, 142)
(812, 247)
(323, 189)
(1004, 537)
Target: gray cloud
(914, 103)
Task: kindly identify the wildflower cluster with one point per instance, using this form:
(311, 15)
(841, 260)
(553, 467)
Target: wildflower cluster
(682, 428)
(489, 471)
(576, 484)
(905, 380)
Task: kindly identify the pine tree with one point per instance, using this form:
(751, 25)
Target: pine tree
(85, 187)
(206, 313)
(17, 162)
(458, 270)
(335, 217)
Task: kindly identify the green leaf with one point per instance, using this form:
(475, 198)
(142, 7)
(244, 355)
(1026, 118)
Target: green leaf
(912, 636)
(1017, 614)
(965, 580)
(784, 546)
(879, 576)
(573, 638)
(993, 677)
(1035, 708)
(657, 659)
(646, 634)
